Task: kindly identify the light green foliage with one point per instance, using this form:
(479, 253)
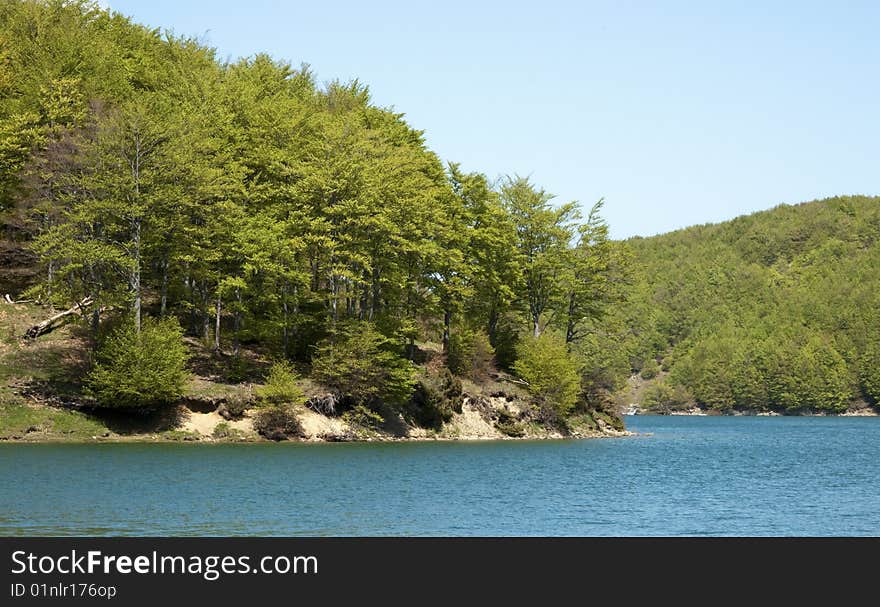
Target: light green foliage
(825, 381)
(266, 210)
(595, 277)
(224, 431)
(869, 371)
(605, 352)
(551, 371)
(543, 236)
(363, 367)
(775, 310)
(470, 354)
(140, 370)
(281, 385)
(363, 416)
(19, 419)
(490, 272)
(650, 369)
(660, 396)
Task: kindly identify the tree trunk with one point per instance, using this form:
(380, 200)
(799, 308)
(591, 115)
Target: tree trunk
(284, 335)
(334, 294)
(206, 316)
(136, 238)
(570, 322)
(135, 279)
(493, 325)
(163, 298)
(96, 319)
(236, 322)
(374, 299)
(364, 302)
(447, 323)
(191, 297)
(217, 325)
(13, 302)
(50, 278)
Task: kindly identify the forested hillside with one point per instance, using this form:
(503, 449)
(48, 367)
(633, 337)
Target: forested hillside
(773, 311)
(169, 194)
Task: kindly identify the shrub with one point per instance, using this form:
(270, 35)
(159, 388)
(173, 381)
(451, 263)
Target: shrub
(661, 396)
(181, 435)
(224, 431)
(508, 425)
(238, 369)
(363, 368)
(233, 407)
(140, 369)
(612, 420)
(869, 372)
(281, 385)
(360, 415)
(650, 369)
(435, 400)
(505, 342)
(551, 371)
(825, 381)
(470, 354)
(278, 422)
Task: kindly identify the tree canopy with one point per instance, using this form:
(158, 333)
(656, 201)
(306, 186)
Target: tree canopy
(259, 208)
(775, 310)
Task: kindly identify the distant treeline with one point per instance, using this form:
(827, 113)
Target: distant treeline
(775, 310)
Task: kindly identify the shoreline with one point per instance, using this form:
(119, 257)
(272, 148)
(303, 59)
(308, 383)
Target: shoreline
(147, 440)
(866, 412)
(475, 423)
(207, 440)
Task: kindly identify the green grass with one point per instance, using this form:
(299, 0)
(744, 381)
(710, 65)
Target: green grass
(201, 388)
(223, 431)
(19, 420)
(583, 422)
(511, 428)
(180, 435)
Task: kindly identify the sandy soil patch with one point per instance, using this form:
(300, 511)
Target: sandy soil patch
(204, 423)
(314, 424)
(470, 425)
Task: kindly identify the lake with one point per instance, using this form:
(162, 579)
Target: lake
(778, 476)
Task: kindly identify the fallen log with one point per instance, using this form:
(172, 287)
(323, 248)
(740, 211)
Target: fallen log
(11, 301)
(53, 322)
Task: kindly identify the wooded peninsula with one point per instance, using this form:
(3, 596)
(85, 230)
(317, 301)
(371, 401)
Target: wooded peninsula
(194, 249)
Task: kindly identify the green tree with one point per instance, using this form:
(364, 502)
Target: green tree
(543, 236)
(140, 369)
(112, 200)
(493, 265)
(281, 385)
(362, 367)
(595, 278)
(551, 372)
(470, 354)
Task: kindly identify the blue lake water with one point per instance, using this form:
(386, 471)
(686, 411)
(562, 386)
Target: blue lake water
(749, 476)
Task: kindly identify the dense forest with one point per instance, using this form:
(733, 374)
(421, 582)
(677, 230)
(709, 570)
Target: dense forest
(773, 311)
(164, 198)
(163, 193)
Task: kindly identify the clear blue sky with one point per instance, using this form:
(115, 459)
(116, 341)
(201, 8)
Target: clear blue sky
(676, 112)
